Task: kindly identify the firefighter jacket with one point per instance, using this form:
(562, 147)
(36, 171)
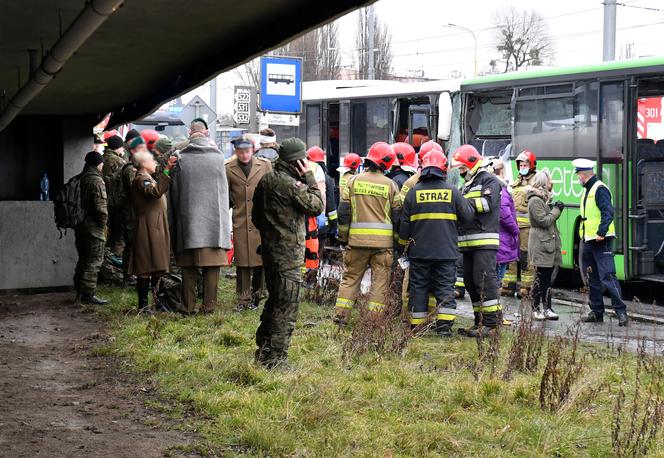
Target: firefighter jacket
(429, 219)
(482, 232)
(400, 176)
(369, 210)
(520, 200)
(409, 183)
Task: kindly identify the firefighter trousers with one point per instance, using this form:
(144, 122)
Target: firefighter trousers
(519, 275)
(479, 274)
(356, 261)
(435, 278)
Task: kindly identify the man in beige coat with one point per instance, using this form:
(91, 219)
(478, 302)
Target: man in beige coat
(244, 171)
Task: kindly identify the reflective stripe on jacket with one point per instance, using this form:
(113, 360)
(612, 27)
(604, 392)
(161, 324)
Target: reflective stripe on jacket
(482, 232)
(520, 199)
(368, 211)
(429, 220)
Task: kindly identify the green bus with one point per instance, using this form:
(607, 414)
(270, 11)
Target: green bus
(610, 113)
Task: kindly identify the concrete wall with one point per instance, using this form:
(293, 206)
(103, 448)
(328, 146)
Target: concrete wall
(31, 253)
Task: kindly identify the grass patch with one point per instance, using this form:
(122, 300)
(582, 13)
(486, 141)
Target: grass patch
(433, 398)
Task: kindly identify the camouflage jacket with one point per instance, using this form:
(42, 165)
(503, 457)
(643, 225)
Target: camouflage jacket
(281, 204)
(112, 162)
(93, 202)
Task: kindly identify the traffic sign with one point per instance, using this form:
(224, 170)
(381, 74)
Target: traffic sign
(197, 108)
(281, 84)
(244, 106)
(280, 119)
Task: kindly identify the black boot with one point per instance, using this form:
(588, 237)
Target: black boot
(444, 328)
(593, 317)
(142, 289)
(90, 298)
(622, 318)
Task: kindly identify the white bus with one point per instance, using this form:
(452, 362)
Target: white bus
(349, 116)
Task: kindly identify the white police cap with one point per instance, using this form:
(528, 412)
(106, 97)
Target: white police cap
(583, 164)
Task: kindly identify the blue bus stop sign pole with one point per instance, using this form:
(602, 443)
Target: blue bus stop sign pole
(281, 85)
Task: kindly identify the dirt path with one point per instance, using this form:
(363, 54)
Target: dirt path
(57, 399)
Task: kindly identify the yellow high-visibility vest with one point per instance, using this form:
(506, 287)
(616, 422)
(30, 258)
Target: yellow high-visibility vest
(591, 217)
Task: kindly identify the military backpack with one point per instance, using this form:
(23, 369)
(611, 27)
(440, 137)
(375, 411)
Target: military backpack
(167, 294)
(117, 190)
(67, 205)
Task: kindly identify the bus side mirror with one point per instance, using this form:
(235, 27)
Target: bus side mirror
(444, 116)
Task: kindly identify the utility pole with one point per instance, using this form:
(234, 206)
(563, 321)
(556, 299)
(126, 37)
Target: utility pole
(609, 48)
(370, 42)
(213, 105)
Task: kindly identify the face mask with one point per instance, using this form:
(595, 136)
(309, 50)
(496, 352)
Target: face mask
(524, 172)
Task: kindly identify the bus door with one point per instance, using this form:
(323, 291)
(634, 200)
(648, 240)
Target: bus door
(647, 159)
(419, 125)
(331, 118)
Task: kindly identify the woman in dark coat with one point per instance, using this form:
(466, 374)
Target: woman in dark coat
(543, 242)
(151, 256)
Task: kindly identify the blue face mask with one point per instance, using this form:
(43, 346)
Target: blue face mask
(524, 172)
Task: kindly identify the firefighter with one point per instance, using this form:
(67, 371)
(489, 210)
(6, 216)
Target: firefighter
(426, 148)
(429, 228)
(327, 221)
(406, 163)
(368, 213)
(527, 164)
(350, 165)
(479, 240)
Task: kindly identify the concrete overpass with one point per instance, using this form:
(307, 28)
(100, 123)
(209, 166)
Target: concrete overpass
(64, 64)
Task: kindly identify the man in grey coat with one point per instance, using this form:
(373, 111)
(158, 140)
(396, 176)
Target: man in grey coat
(200, 216)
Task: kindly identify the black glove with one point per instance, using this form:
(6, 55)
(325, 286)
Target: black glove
(560, 205)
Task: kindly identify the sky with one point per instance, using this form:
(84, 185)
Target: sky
(421, 41)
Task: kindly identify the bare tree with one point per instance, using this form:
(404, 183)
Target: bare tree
(319, 51)
(522, 38)
(250, 73)
(382, 47)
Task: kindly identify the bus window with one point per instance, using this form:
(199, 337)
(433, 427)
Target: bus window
(358, 127)
(585, 120)
(370, 123)
(419, 123)
(313, 125)
(545, 126)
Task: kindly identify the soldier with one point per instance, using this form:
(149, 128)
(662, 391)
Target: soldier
(243, 171)
(479, 240)
(90, 233)
(429, 229)
(527, 163)
(151, 137)
(162, 151)
(368, 215)
(113, 161)
(283, 199)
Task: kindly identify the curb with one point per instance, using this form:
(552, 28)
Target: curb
(564, 298)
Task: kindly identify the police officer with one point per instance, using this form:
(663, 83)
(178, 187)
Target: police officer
(368, 214)
(597, 233)
(527, 164)
(479, 240)
(429, 228)
(283, 199)
(90, 233)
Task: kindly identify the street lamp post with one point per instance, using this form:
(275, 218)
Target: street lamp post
(454, 26)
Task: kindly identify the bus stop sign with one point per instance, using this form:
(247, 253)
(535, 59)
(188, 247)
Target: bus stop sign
(281, 84)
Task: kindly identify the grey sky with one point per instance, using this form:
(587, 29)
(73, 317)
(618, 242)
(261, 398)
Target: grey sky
(421, 42)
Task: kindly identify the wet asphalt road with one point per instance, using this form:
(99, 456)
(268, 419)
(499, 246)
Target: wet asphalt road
(607, 333)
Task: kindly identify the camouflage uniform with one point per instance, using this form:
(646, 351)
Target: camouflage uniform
(90, 233)
(281, 204)
(112, 163)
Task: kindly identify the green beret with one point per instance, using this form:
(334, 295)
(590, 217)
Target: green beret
(292, 149)
(134, 142)
(164, 145)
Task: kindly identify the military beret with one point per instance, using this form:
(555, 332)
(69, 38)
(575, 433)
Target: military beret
(163, 145)
(135, 142)
(93, 158)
